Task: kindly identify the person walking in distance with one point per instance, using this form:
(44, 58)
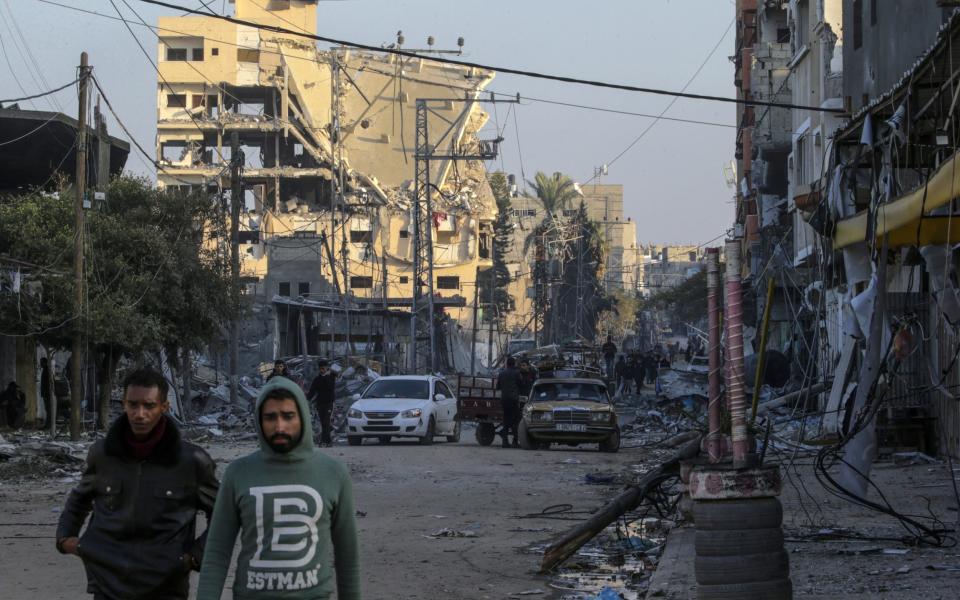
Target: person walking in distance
(322, 394)
(144, 486)
(510, 383)
(292, 507)
(609, 350)
(46, 390)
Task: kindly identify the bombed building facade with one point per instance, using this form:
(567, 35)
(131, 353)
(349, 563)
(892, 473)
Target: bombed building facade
(328, 172)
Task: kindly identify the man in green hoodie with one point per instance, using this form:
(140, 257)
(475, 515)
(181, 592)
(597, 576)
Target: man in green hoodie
(293, 508)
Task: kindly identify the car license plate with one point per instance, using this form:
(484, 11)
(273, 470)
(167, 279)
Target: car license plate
(570, 427)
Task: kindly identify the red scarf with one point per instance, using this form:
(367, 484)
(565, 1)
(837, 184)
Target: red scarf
(142, 449)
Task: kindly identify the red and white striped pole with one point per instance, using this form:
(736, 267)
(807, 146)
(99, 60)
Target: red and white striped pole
(714, 449)
(736, 398)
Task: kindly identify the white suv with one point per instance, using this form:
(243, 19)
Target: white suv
(419, 406)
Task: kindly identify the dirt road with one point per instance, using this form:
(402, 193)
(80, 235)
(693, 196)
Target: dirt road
(406, 494)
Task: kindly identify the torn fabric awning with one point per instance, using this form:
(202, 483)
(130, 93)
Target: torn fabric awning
(906, 218)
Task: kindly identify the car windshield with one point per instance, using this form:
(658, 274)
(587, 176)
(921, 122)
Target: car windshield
(546, 392)
(399, 388)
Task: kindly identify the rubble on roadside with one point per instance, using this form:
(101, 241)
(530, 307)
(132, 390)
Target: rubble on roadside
(213, 416)
(33, 455)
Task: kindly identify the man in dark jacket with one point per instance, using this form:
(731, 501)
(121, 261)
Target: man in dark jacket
(144, 485)
(13, 404)
(510, 383)
(609, 350)
(322, 393)
(279, 370)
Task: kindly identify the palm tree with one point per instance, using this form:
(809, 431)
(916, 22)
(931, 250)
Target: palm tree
(556, 192)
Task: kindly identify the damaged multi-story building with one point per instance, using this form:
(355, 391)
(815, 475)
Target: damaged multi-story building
(328, 140)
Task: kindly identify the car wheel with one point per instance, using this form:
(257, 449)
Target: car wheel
(354, 440)
(543, 446)
(486, 433)
(525, 442)
(384, 439)
(427, 439)
(453, 439)
(612, 443)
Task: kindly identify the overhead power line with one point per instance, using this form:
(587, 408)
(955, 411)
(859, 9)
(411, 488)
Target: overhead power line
(423, 81)
(41, 94)
(509, 70)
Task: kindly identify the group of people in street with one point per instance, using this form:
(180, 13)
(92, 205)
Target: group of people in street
(143, 485)
(514, 382)
(633, 370)
(321, 395)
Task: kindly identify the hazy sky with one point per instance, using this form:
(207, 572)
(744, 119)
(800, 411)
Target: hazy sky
(673, 179)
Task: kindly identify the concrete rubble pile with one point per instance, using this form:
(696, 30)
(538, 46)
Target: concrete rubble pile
(218, 417)
(33, 455)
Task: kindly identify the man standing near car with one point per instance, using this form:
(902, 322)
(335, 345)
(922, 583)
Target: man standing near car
(293, 509)
(144, 485)
(528, 374)
(323, 394)
(510, 383)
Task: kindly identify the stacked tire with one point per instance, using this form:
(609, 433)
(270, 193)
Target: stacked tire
(739, 550)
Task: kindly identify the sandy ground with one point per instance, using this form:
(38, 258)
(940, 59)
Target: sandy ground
(405, 491)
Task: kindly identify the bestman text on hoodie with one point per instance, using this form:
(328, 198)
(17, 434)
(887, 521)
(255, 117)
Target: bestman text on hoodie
(294, 513)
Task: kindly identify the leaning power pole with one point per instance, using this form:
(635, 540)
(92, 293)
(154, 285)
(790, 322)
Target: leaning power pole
(236, 199)
(76, 345)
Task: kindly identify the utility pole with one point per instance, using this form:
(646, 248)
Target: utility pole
(76, 344)
(491, 304)
(236, 199)
(713, 354)
(473, 338)
(422, 314)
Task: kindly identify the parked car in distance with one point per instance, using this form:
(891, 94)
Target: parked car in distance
(569, 411)
(412, 406)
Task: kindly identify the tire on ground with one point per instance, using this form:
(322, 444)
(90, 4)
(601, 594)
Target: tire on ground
(485, 433)
(747, 568)
(736, 543)
(453, 439)
(612, 443)
(756, 513)
(779, 589)
(525, 441)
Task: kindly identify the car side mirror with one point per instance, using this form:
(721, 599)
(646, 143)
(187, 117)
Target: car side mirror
(355, 397)
(439, 397)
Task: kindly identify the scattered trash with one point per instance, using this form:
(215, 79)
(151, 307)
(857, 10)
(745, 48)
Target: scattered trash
(535, 592)
(606, 478)
(607, 593)
(941, 568)
(570, 461)
(447, 532)
(914, 458)
(903, 570)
